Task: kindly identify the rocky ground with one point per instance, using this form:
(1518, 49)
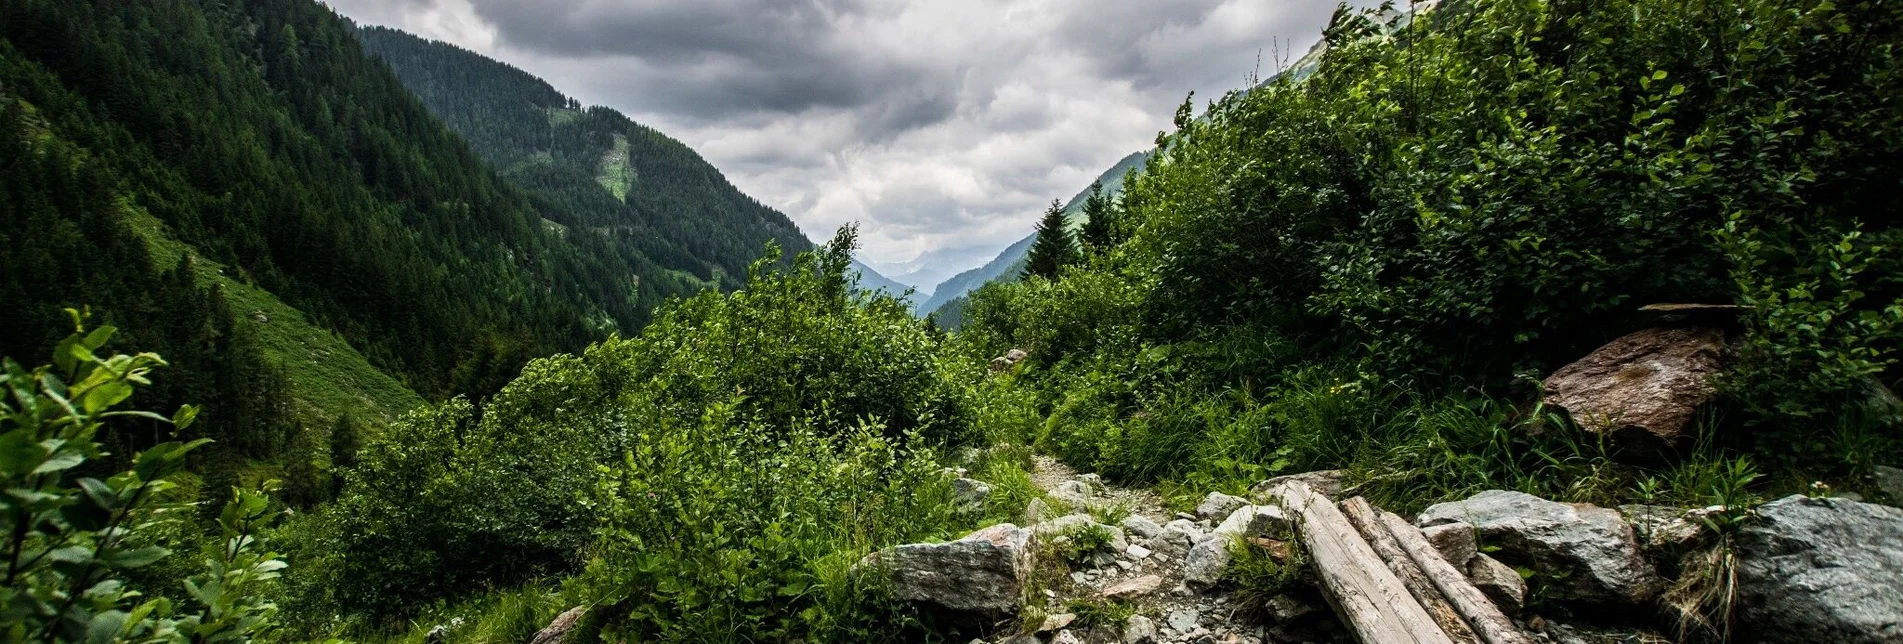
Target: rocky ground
(1101, 564)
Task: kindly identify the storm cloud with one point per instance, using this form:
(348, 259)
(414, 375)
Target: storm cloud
(942, 126)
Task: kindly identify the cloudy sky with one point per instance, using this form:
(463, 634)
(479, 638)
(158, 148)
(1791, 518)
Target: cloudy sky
(942, 126)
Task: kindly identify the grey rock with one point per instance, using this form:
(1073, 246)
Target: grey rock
(1255, 521)
(1218, 505)
(980, 575)
(1187, 526)
(1183, 619)
(1499, 581)
(1140, 527)
(970, 494)
(1651, 381)
(1455, 541)
(1822, 570)
(1038, 511)
(558, 628)
(1205, 563)
(1075, 494)
(1093, 481)
(1139, 630)
(1890, 483)
(1324, 482)
(1056, 622)
(1067, 637)
(1137, 552)
(1664, 531)
(1589, 552)
(1172, 542)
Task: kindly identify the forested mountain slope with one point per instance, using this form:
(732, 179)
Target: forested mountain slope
(676, 217)
(276, 162)
(592, 167)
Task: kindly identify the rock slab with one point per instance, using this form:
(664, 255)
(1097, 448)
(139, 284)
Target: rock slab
(1588, 552)
(1822, 570)
(558, 629)
(1651, 380)
(981, 574)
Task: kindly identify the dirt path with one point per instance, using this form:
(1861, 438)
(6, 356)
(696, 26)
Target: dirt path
(1147, 574)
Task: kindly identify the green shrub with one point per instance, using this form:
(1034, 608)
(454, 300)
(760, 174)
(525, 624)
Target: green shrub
(73, 541)
(784, 430)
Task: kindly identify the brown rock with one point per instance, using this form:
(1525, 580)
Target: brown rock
(1651, 381)
(558, 629)
(1132, 588)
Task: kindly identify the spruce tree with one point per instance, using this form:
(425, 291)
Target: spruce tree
(1053, 249)
(1099, 219)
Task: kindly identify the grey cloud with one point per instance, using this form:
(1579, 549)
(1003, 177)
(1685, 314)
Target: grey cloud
(943, 126)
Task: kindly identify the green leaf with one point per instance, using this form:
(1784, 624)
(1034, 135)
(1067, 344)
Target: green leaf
(184, 417)
(137, 557)
(65, 460)
(99, 337)
(105, 627)
(19, 453)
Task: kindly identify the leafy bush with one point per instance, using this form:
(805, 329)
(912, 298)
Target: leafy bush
(1357, 267)
(73, 540)
(782, 431)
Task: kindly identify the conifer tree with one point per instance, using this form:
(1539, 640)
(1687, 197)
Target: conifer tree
(1099, 219)
(1053, 249)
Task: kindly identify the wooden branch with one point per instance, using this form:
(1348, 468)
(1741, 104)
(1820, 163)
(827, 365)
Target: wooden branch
(1367, 595)
(1368, 521)
(1486, 618)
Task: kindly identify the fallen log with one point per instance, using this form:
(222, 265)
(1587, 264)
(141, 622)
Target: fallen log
(1367, 520)
(1367, 595)
(1474, 607)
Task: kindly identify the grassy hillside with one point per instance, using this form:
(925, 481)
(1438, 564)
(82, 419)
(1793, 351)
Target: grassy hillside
(327, 377)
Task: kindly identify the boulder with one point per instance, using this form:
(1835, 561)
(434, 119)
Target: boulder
(1324, 482)
(969, 494)
(1890, 483)
(1821, 570)
(1455, 541)
(1173, 541)
(559, 627)
(1586, 552)
(1665, 531)
(1066, 637)
(1255, 521)
(1037, 510)
(1075, 494)
(1205, 563)
(1500, 582)
(1649, 382)
(981, 575)
(1142, 528)
(1218, 505)
(1139, 630)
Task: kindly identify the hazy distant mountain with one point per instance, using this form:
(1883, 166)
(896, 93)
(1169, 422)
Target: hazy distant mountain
(1010, 263)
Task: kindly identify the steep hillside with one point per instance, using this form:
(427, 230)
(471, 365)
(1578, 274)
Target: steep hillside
(668, 211)
(256, 199)
(1009, 263)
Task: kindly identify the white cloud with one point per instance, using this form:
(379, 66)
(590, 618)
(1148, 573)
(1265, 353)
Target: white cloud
(942, 126)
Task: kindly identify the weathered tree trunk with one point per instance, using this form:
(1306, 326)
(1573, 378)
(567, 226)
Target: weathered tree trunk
(1363, 590)
(1486, 618)
(1367, 520)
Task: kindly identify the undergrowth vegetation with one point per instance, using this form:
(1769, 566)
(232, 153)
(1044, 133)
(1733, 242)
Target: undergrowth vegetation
(713, 479)
(1370, 267)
